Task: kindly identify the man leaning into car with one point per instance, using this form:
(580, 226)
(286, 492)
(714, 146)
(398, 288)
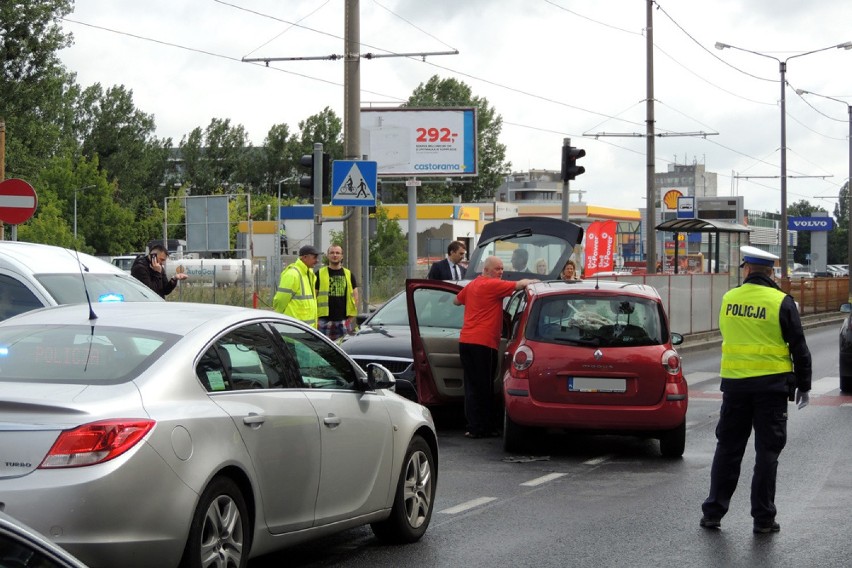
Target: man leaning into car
(761, 331)
(478, 342)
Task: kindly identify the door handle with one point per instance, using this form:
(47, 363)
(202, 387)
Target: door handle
(254, 419)
(331, 421)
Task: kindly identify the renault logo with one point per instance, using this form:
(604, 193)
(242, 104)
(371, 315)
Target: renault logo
(598, 354)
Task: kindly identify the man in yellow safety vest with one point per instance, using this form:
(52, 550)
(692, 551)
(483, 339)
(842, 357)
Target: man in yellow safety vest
(295, 296)
(337, 296)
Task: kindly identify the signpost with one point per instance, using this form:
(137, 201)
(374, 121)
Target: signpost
(18, 201)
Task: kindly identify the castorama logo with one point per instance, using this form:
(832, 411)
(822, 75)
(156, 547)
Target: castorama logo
(810, 223)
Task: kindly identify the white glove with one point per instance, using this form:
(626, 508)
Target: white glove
(802, 399)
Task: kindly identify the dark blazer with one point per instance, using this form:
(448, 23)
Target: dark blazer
(440, 270)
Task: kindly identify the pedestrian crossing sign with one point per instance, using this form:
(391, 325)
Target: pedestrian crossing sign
(354, 183)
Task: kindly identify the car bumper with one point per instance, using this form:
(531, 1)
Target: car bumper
(526, 411)
(110, 514)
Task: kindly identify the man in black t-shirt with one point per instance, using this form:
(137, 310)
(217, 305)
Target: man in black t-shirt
(337, 296)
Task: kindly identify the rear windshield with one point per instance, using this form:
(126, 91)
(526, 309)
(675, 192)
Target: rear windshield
(612, 321)
(69, 288)
(78, 354)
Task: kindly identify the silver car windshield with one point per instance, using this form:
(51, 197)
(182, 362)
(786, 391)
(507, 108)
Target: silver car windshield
(78, 354)
(69, 289)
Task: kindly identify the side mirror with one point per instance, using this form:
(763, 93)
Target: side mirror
(846, 308)
(677, 338)
(378, 377)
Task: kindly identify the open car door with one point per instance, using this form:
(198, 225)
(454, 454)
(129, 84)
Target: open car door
(435, 323)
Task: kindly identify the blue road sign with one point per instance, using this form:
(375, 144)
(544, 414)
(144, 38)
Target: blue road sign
(353, 183)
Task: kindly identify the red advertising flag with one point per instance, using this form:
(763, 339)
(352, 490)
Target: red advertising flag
(600, 245)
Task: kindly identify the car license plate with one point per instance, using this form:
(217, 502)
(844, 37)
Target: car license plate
(596, 384)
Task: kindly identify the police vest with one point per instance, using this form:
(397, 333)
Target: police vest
(296, 288)
(752, 344)
(322, 294)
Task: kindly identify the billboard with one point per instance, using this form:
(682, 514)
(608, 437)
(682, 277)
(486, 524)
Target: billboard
(421, 142)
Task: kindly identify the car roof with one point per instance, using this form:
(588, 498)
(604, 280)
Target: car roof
(35, 258)
(593, 285)
(165, 317)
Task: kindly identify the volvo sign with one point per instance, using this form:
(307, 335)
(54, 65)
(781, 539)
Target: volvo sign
(810, 223)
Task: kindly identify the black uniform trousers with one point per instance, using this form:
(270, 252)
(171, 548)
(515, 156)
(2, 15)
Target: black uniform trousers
(479, 363)
(766, 412)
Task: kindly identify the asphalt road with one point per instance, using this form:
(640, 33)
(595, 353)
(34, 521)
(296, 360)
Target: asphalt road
(580, 500)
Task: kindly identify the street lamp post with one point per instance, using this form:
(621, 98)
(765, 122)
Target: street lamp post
(75, 208)
(782, 68)
(848, 181)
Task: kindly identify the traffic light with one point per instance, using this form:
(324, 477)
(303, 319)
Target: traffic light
(570, 169)
(307, 180)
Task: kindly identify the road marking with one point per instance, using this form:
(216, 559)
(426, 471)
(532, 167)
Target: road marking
(468, 505)
(596, 461)
(700, 376)
(543, 479)
(825, 385)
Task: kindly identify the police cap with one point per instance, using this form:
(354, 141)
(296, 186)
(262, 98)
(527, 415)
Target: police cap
(754, 255)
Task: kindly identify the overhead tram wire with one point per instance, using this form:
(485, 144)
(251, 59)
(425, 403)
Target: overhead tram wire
(303, 18)
(226, 57)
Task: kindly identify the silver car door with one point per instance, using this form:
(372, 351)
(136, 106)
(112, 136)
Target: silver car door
(248, 378)
(355, 429)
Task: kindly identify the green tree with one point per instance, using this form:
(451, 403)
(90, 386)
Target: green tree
(102, 223)
(215, 158)
(492, 166)
(111, 127)
(390, 246)
(838, 239)
(35, 89)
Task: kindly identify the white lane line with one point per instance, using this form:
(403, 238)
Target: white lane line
(542, 479)
(468, 505)
(596, 461)
(699, 376)
(825, 385)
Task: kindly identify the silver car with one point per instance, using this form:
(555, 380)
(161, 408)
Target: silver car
(159, 434)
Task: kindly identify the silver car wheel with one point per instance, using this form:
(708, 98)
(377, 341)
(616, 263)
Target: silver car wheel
(222, 534)
(417, 489)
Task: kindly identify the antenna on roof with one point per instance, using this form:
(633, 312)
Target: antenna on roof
(92, 315)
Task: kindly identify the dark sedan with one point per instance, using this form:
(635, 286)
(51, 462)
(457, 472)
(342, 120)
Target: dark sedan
(846, 350)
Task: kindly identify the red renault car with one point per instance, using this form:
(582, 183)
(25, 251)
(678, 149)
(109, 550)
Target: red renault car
(587, 355)
(595, 356)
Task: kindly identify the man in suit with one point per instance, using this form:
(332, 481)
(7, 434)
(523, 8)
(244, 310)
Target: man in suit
(449, 268)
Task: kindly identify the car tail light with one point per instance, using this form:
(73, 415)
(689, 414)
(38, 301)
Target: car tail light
(521, 361)
(671, 363)
(96, 442)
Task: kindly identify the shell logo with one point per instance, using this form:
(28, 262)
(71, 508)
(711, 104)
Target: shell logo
(670, 198)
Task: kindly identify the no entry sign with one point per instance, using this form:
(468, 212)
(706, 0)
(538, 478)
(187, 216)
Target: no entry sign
(18, 201)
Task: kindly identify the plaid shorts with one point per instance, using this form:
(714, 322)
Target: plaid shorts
(336, 329)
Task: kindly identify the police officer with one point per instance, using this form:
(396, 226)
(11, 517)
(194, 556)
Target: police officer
(296, 296)
(761, 331)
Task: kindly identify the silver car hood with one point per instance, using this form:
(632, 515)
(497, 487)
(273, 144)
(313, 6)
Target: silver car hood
(34, 414)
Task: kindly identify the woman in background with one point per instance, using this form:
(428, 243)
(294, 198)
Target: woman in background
(569, 271)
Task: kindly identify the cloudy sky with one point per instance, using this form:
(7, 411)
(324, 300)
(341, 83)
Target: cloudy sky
(551, 68)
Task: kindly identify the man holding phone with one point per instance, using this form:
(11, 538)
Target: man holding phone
(150, 269)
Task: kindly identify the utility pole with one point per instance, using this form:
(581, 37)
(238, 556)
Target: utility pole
(352, 125)
(650, 157)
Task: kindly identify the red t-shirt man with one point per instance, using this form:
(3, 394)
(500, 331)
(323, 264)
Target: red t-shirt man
(478, 342)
